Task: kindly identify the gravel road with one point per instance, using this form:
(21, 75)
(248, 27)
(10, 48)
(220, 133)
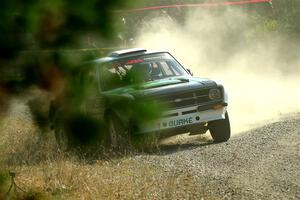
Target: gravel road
(263, 163)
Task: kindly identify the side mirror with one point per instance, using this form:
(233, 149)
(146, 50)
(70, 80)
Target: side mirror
(190, 72)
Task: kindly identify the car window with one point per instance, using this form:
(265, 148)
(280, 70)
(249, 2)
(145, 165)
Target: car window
(138, 69)
(167, 69)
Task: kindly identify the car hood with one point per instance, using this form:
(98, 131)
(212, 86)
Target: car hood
(163, 86)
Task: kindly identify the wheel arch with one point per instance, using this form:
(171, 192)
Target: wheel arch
(122, 116)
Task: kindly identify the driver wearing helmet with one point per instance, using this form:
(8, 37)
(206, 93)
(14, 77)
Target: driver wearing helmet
(155, 71)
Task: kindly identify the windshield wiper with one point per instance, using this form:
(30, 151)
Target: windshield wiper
(183, 79)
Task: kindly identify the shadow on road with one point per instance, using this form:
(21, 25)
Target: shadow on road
(174, 148)
(183, 143)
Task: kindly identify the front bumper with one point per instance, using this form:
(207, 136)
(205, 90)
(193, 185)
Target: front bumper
(185, 117)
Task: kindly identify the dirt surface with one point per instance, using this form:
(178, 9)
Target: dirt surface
(263, 163)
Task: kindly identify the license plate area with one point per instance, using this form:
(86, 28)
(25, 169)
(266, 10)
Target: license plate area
(177, 122)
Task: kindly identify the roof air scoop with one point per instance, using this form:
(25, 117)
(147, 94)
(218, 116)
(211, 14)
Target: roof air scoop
(127, 52)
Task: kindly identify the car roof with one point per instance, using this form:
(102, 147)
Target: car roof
(125, 53)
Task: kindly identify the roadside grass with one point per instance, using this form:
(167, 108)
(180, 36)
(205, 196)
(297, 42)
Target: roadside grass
(46, 173)
(122, 179)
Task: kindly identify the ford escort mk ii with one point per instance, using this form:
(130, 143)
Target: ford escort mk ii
(145, 93)
(190, 104)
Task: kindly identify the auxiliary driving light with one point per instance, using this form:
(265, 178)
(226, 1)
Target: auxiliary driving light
(214, 94)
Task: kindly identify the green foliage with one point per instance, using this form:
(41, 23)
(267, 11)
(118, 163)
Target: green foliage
(39, 25)
(271, 25)
(287, 13)
(3, 184)
(284, 18)
(146, 110)
(84, 130)
(32, 36)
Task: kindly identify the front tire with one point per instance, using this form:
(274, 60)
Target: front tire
(117, 134)
(220, 129)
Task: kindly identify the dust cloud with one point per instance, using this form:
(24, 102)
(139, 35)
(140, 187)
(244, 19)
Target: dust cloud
(259, 67)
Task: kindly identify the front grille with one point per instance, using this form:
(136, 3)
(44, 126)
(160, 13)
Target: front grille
(185, 99)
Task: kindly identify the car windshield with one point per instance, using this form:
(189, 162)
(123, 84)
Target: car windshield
(138, 69)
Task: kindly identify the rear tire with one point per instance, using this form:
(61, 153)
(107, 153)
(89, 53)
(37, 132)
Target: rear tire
(220, 129)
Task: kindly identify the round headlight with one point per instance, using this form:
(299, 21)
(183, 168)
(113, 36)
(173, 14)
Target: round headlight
(214, 94)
